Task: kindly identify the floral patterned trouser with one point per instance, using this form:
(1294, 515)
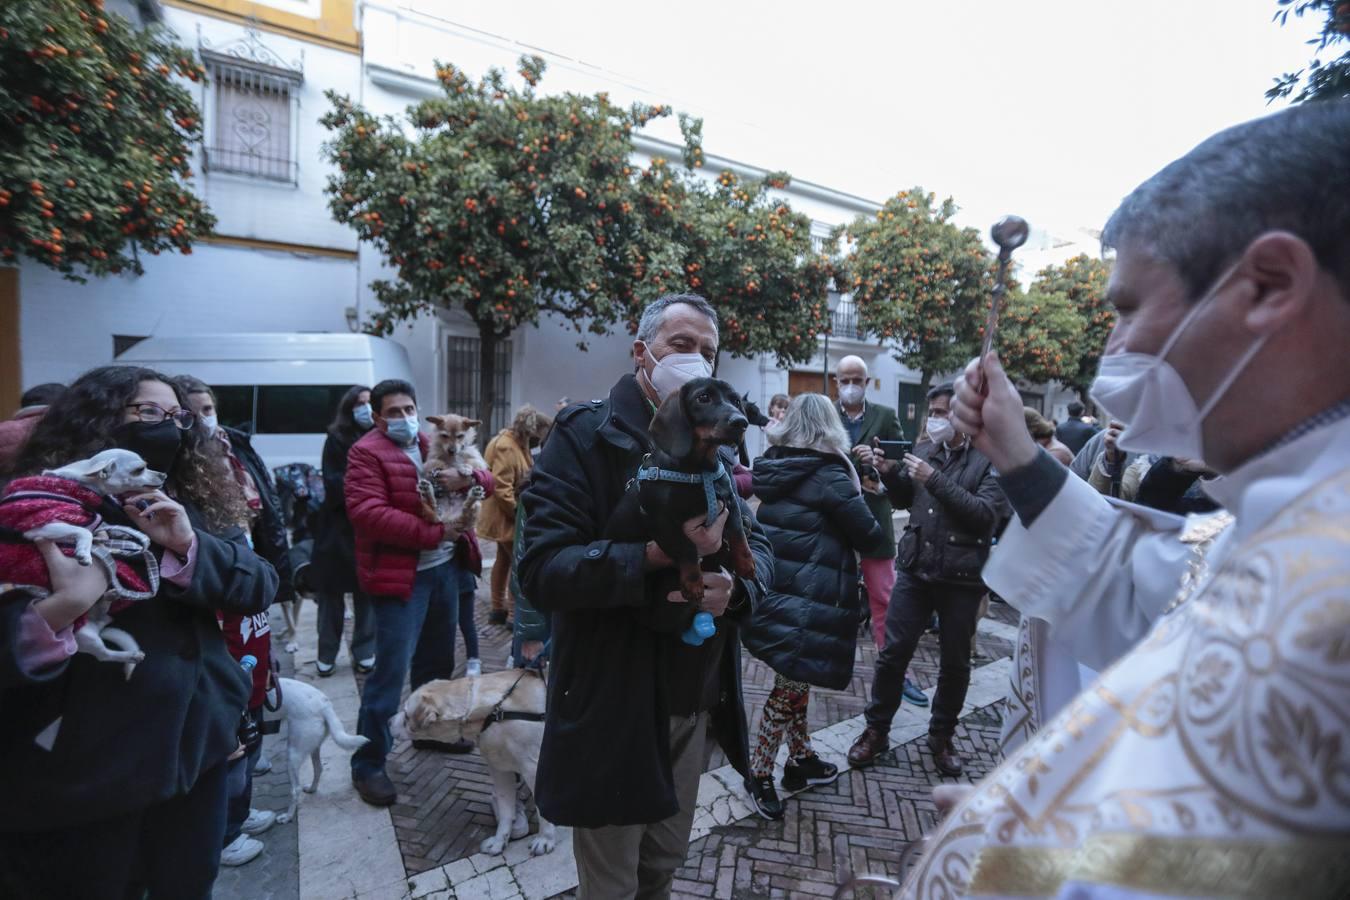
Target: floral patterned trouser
(784, 712)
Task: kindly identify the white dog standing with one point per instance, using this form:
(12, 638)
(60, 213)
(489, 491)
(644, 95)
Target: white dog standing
(503, 713)
(310, 718)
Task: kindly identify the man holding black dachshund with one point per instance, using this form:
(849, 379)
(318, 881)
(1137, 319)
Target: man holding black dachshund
(631, 707)
(955, 505)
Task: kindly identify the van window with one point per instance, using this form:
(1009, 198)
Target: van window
(278, 408)
(297, 408)
(234, 406)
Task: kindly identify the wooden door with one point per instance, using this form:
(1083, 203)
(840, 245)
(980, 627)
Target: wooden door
(809, 383)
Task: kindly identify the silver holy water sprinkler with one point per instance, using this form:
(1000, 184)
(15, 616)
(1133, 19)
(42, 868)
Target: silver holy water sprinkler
(1009, 232)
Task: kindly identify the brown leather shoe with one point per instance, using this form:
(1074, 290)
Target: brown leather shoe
(945, 757)
(870, 744)
(376, 789)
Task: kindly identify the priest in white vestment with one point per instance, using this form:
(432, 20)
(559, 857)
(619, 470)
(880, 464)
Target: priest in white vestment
(1211, 756)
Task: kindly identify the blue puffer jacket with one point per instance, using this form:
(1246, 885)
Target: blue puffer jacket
(806, 627)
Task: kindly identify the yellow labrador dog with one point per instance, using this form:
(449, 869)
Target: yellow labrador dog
(503, 713)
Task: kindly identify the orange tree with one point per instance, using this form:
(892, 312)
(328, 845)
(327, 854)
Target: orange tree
(733, 241)
(1323, 79)
(1039, 336)
(498, 201)
(1081, 281)
(97, 139)
(919, 282)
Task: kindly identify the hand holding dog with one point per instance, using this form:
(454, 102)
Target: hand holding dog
(164, 521)
(717, 590)
(453, 481)
(707, 538)
(75, 588)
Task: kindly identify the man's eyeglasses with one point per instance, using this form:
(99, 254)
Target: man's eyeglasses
(153, 414)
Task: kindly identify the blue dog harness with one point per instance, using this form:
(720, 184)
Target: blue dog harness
(709, 480)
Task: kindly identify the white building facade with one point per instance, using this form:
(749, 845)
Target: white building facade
(280, 263)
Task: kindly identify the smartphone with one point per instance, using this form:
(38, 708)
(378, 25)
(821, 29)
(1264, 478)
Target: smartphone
(895, 449)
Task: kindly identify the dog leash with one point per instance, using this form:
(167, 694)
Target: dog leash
(709, 480)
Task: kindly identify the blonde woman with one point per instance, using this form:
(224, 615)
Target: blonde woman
(806, 627)
(508, 456)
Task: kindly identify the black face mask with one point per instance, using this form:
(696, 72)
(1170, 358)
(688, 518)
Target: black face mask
(157, 444)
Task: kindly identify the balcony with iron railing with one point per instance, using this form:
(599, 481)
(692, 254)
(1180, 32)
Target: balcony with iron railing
(844, 322)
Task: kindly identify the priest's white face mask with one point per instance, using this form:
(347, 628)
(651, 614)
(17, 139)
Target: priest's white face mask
(1149, 393)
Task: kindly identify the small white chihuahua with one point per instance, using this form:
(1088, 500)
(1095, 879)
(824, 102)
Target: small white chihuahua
(111, 473)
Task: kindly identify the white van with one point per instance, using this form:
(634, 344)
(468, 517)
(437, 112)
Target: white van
(281, 388)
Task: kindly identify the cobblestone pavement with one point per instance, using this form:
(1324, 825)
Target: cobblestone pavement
(445, 801)
(859, 824)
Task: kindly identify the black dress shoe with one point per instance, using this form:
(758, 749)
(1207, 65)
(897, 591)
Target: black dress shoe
(497, 617)
(459, 746)
(377, 789)
(945, 757)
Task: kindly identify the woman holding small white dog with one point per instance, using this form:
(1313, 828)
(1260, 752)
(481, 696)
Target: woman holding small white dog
(806, 627)
(117, 786)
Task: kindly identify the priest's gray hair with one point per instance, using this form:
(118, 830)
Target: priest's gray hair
(811, 423)
(654, 316)
(1288, 171)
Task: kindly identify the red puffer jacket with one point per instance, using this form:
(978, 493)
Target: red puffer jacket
(385, 511)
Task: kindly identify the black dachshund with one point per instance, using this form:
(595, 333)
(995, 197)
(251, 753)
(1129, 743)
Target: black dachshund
(685, 477)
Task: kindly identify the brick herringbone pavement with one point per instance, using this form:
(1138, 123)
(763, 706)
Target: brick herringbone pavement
(445, 801)
(861, 823)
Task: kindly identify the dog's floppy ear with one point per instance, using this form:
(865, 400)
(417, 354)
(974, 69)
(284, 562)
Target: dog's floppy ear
(671, 429)
(472, 423)
(424, 713)
(438, 421)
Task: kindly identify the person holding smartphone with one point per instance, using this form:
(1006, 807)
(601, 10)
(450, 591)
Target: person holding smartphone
(955, 504)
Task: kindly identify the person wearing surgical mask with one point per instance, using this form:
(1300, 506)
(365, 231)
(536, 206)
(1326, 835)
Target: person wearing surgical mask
(955, 505)
(263, 528)
(411, 568)
(332, 568)
(1218, 638)
(620, 674)
(865, 422)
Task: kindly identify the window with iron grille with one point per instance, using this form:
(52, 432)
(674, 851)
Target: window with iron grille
(462, 381)
(253, 109)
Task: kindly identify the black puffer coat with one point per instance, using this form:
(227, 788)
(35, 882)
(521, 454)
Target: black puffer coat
(806, 627)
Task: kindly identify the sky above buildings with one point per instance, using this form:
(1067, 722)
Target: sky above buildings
(1053, 109)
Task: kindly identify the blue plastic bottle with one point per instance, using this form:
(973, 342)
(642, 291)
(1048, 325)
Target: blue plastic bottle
(700, 629)
(249, 662)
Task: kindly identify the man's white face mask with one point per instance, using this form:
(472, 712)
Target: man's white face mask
(1149, 394)
(939, 429)
(851, 394)
(674, 370)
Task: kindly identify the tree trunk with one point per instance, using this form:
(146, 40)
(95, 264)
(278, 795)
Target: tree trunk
(487, 378)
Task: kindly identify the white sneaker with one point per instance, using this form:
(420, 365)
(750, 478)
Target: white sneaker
(263, 765)
(258, 821)
(473, 668)
(241, 850)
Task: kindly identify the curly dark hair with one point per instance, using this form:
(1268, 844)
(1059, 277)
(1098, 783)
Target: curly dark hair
(343, 426)
(80, 424)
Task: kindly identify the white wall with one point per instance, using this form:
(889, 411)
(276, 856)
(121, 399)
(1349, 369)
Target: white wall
(68, 327)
